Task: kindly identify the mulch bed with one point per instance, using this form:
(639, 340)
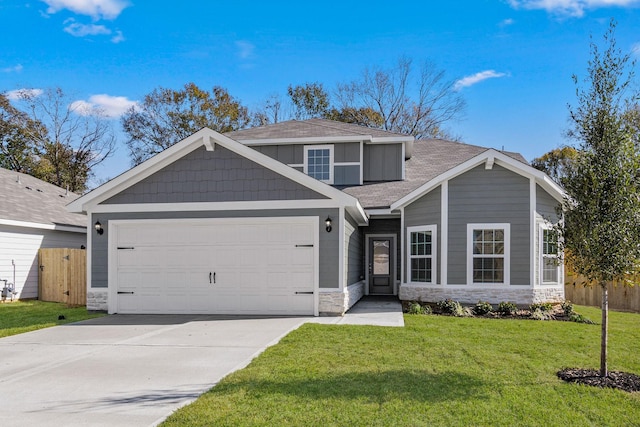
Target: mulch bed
(620, 380)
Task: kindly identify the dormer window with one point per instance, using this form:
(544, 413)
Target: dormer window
(318, 162)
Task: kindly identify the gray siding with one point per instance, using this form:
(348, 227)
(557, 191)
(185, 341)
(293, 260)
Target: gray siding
(546, 205)
(426, 211)
(354, 255)
(213, 176)
(346, 175)
(294, 153)
(346, 152)
(382, 162)
(385, 226)
(328, 251)
(489, 196)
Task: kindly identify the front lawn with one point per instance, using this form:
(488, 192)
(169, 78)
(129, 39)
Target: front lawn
(435, 371)
(24, 316)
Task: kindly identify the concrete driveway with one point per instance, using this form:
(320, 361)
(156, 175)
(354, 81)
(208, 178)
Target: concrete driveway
(124, 370)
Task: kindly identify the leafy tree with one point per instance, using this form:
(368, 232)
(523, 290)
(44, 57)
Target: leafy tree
(16, 148)
(602, 215)
(403, 101)
(167, 116)
(309, 100)
(67, 139)
(555, 162)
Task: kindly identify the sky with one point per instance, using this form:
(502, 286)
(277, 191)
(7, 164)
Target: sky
(511, 60)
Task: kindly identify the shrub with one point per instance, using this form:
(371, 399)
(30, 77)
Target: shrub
(542, 306)
(417, 308)
(567, 307)
(482, 307)
(541, 314)
(579, 318)
(449, 306)
(506, 308)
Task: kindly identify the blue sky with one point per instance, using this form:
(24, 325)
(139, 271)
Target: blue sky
(512, 59)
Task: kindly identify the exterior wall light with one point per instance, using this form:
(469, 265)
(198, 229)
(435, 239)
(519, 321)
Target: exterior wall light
(98, 228)
(328, 223)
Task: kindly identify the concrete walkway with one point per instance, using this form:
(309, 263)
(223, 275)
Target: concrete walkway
(376, 311)
(135, 370)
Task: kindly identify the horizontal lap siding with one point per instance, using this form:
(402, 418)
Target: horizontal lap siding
(329, 242)
(489, 196)
(426, 211)
(354, 255)
(21, 245)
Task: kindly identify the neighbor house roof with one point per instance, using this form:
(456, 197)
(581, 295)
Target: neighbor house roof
(29, 201)
(312, 128)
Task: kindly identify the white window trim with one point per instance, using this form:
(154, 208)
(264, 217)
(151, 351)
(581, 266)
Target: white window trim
(507, 251)
(541, 256)
(319, 147)
(434, 253)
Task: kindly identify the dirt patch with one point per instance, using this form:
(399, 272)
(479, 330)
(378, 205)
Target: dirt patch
(620, 380)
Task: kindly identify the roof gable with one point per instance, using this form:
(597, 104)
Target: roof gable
(209, 139)
(31, 202)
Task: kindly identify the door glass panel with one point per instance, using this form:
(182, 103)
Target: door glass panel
(381, 256)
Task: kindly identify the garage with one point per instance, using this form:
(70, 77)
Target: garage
(247, 266)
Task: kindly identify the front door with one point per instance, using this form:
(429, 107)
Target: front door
(381, 265)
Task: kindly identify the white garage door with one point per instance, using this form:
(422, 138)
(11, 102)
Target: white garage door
(218, 266)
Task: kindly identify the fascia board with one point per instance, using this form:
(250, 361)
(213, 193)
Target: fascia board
(306, 140)
(138, 173)
(40, 226)
(391, 139)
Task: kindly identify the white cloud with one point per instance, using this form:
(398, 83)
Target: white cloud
(81, 30)
(476, 78)
(21, 93)
(97, 9)
(245, 49)
(111, 106)
(118, 37)
(635, 49)
(14, 69)
(573, 8)
(506, 22)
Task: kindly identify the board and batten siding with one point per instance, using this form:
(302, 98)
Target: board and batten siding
(489, 196)
(383, 162)
(328, 251)
(21, 244)
(353, 253)
(426, 211)
(213, 176)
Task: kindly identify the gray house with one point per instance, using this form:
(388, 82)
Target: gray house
(306, 217)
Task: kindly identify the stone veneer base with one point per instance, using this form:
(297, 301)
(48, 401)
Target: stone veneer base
(97, 300)
(521, 295)
(337, 303)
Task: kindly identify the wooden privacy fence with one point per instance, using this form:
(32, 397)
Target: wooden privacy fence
(621, 297)
(62, 276)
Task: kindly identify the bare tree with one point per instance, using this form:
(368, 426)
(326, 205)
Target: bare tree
(407, 103)
(75, 140)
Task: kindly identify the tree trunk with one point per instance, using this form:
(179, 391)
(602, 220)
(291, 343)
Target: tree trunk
(604, 333)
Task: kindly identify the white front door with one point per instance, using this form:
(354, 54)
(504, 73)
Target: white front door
(261, 266)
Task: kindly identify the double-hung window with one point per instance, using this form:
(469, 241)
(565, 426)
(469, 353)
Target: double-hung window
(318, 162)
(421, 250)
(549, 259)
(488, 248)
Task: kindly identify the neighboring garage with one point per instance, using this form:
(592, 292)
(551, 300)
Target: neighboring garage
(215, 266)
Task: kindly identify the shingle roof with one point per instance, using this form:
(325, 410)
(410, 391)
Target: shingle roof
(28, 199)
(312, 128)
(431, 158)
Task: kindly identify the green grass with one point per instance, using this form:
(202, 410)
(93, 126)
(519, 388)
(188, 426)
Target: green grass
(24, 316)
(435, 371)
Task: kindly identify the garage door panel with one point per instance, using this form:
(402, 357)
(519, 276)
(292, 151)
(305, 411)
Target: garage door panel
(257, 267)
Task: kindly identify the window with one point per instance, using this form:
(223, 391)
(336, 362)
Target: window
(318, 162)
(421, 249)
(488, 253)
(549, 259)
